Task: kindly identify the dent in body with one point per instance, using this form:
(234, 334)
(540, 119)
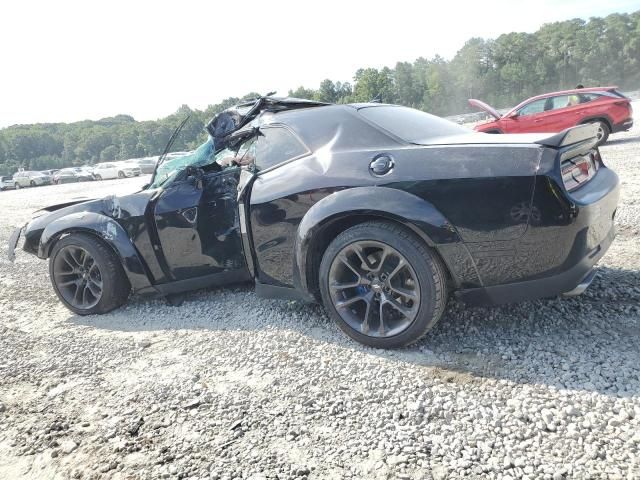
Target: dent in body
(113, 234)
(461, 185)
(123, 233)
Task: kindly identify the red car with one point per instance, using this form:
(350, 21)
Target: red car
(553, 112)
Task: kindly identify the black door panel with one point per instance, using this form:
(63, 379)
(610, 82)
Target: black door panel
(198, 228)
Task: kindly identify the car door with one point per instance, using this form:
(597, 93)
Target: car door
(560, 112)
(111, 170)
(21, 179)
(198, 226)
(530, 118)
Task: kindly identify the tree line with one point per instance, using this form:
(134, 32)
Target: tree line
(501, 71)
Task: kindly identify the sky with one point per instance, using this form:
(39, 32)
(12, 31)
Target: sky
(68, 60)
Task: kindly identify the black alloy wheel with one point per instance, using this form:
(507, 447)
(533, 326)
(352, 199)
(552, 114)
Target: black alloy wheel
(374, 288)
(382, 285)
(78, 277)
(87, 275)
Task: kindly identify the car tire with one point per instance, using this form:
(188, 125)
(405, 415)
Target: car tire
(87, 275)
(603, 131)
(422, 275)
(18, 187)
(120, 174)
(32, 183)
(98, 177)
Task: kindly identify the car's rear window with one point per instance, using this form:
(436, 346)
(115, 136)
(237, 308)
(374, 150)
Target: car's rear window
(409, 124)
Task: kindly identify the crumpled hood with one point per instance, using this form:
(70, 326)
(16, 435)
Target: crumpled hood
(120, 208)
(58, 206)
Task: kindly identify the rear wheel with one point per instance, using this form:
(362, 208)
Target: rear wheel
(87, 275)
(18, 187)
(382, 285)
(602, 132)
(98, 177)
(32, 183)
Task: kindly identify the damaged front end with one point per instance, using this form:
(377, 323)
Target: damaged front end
(116, 220)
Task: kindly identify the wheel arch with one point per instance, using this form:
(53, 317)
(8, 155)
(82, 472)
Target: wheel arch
(603, 118)
(347, 208)
(104, 229)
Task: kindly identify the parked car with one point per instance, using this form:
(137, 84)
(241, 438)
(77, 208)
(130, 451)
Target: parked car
(84, 174)
(7, 183)
(146, 165)
(73, 174)
(66, 175)
(31, 179)
(105, 171)
(605, 107)
(378, 211)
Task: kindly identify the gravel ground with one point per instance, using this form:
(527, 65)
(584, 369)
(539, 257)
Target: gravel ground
(229, 385)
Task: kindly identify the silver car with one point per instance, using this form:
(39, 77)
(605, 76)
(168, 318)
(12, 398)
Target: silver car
(7, 183)
(31, 179)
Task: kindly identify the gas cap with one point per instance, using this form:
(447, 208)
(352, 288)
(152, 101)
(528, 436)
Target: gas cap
(381, 165)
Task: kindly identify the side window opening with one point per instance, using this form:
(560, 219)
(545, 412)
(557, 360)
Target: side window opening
(563, 101)
(534, 107)
(276, 145)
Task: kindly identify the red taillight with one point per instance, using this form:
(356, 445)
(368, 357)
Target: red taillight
(579, 170)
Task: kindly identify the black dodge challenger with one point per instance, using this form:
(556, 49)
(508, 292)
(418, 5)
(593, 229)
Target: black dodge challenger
(378, 211)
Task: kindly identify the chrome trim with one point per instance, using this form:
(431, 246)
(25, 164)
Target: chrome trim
(582, 286)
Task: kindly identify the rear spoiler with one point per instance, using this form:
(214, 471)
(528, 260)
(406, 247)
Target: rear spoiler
(571, 136)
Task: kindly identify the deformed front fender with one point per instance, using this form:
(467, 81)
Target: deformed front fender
(107, 229)
(419, 215)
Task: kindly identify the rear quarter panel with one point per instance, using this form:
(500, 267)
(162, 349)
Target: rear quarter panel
(475, 187)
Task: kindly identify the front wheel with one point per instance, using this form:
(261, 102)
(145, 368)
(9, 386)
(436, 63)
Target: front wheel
(18, 187)
(382, 286)
(120, 174)
(32, 183)
(87, 275)
(98, 177)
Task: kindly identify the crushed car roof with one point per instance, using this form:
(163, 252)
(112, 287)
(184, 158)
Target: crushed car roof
(236, 117)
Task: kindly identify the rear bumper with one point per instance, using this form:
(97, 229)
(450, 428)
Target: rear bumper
(555, 258)
(570, 282)
(622, 126)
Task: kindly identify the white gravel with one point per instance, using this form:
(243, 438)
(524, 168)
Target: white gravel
(233, 386)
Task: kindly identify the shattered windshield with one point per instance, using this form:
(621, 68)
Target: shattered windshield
(167, 171)
(241, 153)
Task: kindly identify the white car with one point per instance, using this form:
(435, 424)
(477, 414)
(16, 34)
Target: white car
(7, 183)
(104, 171)
(31, 179)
